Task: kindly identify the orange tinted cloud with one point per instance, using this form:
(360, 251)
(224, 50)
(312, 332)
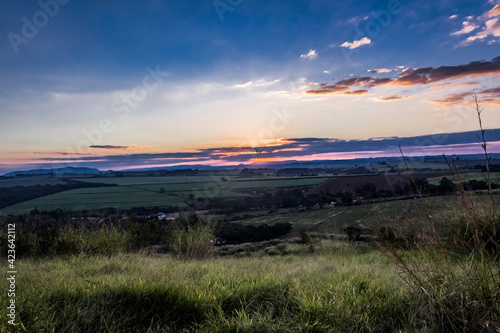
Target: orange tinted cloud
(356, 92)
(415, 76)
(264, 160)
(327, 90)
(451, 99)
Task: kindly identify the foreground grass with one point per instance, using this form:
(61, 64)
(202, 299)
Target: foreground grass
(138, 293)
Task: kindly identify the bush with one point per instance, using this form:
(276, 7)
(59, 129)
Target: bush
(108, 240)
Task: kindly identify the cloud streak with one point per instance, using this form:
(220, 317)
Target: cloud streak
(114, 147)
(491, 95)
(392, 98)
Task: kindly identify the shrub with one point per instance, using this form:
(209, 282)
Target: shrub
(108, 240)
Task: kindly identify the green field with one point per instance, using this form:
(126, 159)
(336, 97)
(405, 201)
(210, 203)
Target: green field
(466, 176)
(153, 191)
(30, 181)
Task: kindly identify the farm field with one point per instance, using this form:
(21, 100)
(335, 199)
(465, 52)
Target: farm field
(152, 191)
(369, 217)
(469, 175)
(30, 181)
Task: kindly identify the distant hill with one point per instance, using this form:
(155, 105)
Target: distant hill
(58, 171)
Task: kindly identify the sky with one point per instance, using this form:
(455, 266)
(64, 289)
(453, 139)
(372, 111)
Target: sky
(124, 84)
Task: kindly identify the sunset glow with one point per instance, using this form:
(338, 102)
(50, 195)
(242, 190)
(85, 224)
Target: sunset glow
(221, 93)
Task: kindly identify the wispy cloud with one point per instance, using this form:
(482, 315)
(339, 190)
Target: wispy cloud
(489, 23)
(467, 27)
(311, 55)
(257, 83)
(382, 70)
(392, 98)
(357, 92)
(357, 43)
(491, 95)
(114, 147)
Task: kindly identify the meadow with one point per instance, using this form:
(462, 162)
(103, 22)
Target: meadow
(429, 282)
(348, 292)
(153, 191)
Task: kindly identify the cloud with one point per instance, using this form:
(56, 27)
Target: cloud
(357, 43)
(382, 70)
(311, 55)
(489, 24)
(356, 92)
(114, 147)
(495, 11)
(60, 153)
(453, 17)
(327, 90)
(491, 95)
(343, 85)
(392, 98)
(492, 28)
(414, 76)
(258, 83)
(452, 99)
(468, 27)
(491, 91)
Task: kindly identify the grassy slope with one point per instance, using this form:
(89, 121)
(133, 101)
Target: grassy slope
(328, 293)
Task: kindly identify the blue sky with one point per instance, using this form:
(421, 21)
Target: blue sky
(90, 82)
